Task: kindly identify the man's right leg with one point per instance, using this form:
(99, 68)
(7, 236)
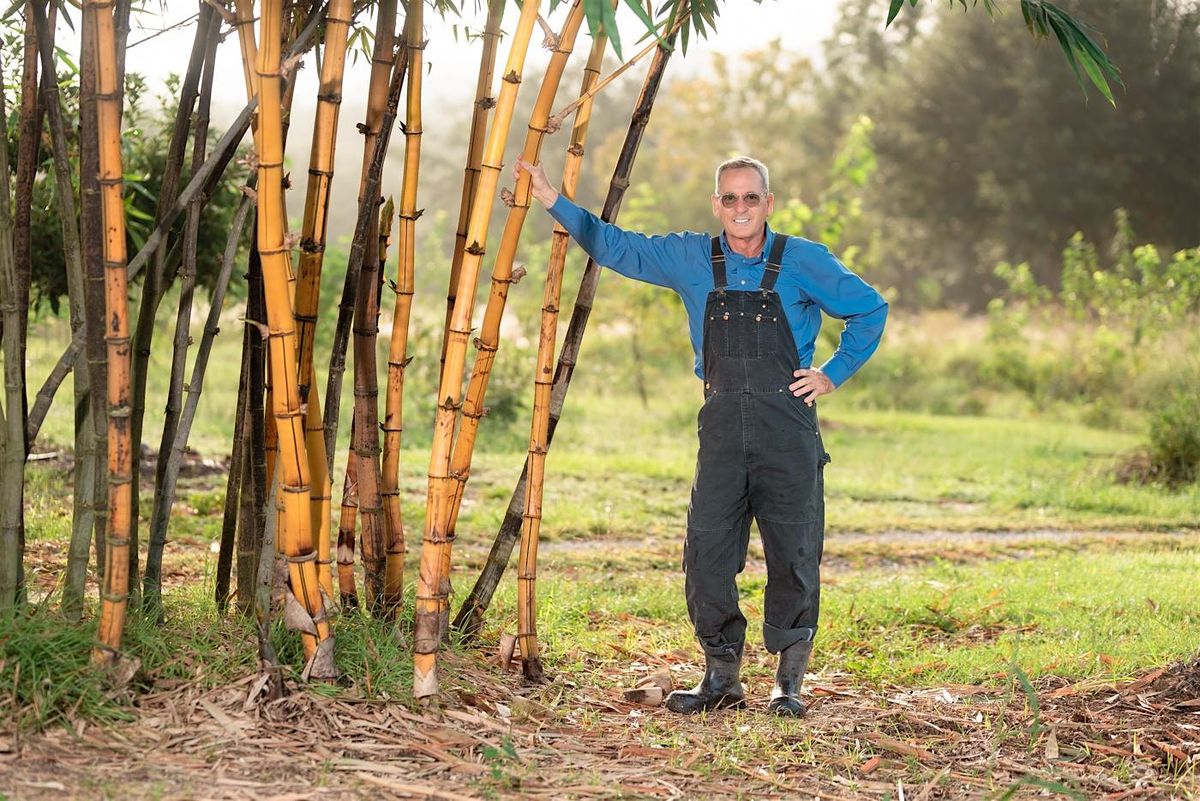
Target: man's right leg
(714, 553)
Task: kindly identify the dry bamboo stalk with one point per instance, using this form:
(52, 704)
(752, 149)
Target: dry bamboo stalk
(488, 341)
(433, 586)
(393, 418)
(484, 102)
(382, 61)
(292, 464)
(12, 427)
(29, 136)
(115, 585)
(470, 614)
(235, 485)
(312, 255)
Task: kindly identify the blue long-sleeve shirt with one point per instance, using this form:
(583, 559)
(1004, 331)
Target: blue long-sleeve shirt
(810, 281)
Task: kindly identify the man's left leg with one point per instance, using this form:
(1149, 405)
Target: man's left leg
(786, 498)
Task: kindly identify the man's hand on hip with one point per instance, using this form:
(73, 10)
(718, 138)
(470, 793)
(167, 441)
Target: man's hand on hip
(810, 384)
(539, 186)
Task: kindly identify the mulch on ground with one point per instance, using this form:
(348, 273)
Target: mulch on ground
(494, 738)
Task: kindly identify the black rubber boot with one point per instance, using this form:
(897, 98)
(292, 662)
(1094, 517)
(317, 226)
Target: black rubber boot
(793, 661)
(718, 689)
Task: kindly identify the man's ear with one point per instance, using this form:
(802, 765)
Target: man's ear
(770, 203)
(716, 211)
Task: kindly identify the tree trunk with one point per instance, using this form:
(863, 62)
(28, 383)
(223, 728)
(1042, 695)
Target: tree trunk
(433, 587)
(470, 615)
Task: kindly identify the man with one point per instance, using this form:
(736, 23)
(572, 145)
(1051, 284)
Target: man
(754, 300)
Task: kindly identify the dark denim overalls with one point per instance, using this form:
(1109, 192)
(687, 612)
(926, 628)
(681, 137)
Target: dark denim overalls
(760, 456)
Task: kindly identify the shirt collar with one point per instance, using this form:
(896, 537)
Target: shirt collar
(768, 240)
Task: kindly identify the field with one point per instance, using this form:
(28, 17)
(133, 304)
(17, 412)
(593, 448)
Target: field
(1001, 617)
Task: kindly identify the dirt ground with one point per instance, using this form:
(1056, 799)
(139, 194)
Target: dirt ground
(1086, 740)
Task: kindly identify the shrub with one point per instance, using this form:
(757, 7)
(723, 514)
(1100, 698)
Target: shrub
(1175, 428)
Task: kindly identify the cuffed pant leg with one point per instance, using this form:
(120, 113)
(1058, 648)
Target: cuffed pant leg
(718, 530)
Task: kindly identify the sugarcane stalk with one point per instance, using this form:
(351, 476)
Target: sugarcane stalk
(115, 585)
(164, 481)
(296, 535)
(488, 342)
(83, 517)
(433, 585)
(383, 65)
(484, 102)
(469, 618)
(393, 419)
(12, 430)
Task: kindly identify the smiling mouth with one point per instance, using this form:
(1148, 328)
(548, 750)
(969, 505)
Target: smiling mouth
(741, 220)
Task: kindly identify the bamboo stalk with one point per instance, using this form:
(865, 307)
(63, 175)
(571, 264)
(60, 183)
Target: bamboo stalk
(204, 180)
(296, 536)
(488, 342)
(12, 432)
(383, 61)
(164, 481)
(158, 279)
(83, 514)
(312, 254)
(393, 420)
(91, 228)
(470, 615)
(484, 102)
(254, 506)
(114, 594)
(235, 485)
(345, 544)
(29, 137)
(433, 586)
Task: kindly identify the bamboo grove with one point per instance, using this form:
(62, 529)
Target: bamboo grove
(279, 554)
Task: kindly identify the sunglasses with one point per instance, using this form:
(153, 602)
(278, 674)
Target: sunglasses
(730, 199)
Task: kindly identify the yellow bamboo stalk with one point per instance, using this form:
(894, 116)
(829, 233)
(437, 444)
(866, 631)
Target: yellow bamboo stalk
(115, 588)
(393, 419)
(308, 281)
(433, 585)
(243, 20)
(484, 102)
(544, 380)
(488, 341)
(296, 535)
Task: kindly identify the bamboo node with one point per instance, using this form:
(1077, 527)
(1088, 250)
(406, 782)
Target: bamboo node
(308, 557)
(507, 197)
(363, 128)
(486, 103)
(299, 489)
(475, 249)
(512, 77)
(576, 150)
(119, 411)
(480, 344)
(450, 405)
(114, 598)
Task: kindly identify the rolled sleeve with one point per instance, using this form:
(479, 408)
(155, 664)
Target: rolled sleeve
(842, 294)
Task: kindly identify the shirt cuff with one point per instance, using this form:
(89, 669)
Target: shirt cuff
(836, 372)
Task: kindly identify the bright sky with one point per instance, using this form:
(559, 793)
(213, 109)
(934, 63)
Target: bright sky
(744, 25)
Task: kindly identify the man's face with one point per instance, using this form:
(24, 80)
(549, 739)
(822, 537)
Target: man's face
(742, 219)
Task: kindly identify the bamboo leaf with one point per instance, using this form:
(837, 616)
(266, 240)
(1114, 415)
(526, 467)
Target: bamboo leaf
(893, 11)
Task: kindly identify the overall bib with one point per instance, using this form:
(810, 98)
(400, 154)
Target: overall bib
(760, 457)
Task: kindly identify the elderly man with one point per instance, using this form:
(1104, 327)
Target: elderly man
(754, 300)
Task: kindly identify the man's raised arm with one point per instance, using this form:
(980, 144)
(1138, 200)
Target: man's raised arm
(658, 260)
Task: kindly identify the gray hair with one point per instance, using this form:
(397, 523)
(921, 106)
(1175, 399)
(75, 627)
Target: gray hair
(742, 163)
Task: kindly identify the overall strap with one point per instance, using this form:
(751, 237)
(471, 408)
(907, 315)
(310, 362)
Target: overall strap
(774, 262)
(718, 264)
